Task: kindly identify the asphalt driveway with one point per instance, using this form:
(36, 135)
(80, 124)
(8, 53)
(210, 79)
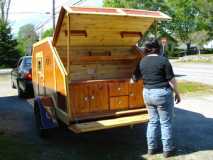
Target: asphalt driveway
(193, 133)
(194, 72)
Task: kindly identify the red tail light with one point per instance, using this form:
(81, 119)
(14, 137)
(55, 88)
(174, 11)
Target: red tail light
(28, 76)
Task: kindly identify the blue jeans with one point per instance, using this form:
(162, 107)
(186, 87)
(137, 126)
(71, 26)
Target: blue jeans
(160, 105)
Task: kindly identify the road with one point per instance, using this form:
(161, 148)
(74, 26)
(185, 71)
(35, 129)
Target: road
(193, 133)
(194, 72)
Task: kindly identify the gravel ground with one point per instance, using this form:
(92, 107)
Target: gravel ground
(193, 132)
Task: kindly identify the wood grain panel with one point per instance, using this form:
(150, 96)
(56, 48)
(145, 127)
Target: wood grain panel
(136, 95)
(103, 35)
(48, 79)
(79, 98)
(60, 89)
(119, 103)
(98, 93)
(83, 72)
(118, 88)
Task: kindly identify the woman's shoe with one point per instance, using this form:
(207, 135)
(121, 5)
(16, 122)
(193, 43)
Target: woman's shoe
(153, 151)
(167, 154)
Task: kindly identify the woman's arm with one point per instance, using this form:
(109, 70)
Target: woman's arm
(173, 84)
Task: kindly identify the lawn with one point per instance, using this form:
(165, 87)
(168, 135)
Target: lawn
(187, 87)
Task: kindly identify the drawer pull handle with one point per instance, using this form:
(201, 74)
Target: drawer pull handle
(85, 98)
(119, 102)
(92, 97)
(131, 94)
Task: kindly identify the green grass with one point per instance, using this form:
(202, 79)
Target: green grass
(12, 148)
(187, 87)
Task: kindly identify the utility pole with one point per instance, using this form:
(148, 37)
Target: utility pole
(53, 12)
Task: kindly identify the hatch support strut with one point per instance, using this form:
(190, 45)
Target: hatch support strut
(68, 43)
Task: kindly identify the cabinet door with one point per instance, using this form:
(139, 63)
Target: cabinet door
(79, 98)
(98, 93)
(136, 95)
(119, 103)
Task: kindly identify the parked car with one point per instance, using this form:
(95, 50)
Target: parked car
(21, 77)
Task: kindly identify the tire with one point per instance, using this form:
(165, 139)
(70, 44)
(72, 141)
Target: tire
(20, 92)
(43, 133)
(61, 124)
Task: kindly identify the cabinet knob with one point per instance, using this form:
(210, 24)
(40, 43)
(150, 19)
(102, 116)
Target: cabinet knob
(92, 97)
(119, 88)
(131, 94)
(119, 102)
(86, 98)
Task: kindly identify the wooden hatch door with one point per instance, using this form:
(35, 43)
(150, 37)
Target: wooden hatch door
(40, 73)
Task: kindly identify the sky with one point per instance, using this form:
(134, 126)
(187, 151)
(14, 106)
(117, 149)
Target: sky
(38, 12)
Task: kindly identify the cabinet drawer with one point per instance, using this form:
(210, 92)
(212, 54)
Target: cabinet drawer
(117, 103)
(118, 88)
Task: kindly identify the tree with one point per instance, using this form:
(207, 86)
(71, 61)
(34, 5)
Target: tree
(199, 38)
(184, 20)
(26, 37)
(8, 46)
(156, 29)
(186, 16)
(4, 8)
(206, 16)
(47, 33)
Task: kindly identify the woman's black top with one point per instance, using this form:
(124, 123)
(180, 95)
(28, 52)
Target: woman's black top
(155, 71)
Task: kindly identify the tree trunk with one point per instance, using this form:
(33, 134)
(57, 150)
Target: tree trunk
(198, 51)
(188, 46)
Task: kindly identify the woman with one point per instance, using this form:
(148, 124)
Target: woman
(159, 84)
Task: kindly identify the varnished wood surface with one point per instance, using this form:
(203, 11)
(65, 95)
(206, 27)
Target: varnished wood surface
(136, 95)
(108, 123)
(110, 114)
(101, 80)
(103, 96)
(118, 88)
(98, 94)
(103, 35)
(119, 103)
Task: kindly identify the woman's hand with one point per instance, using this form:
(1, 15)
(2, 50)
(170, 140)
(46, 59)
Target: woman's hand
(177, 98)
(173, 85)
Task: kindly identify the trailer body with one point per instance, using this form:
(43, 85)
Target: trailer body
(82, 74)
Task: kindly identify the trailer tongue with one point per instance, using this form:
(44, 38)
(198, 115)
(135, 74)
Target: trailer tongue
(85, 70)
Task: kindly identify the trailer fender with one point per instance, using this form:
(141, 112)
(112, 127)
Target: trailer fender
(47, 113)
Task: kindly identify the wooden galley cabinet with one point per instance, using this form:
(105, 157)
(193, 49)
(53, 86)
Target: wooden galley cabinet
(105, 96)
(85, 69)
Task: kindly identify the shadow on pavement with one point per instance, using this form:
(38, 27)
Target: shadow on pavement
(179, 75)
(193, 132)
(15, 115)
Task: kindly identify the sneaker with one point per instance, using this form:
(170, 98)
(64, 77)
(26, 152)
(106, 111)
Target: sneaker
(167, 154)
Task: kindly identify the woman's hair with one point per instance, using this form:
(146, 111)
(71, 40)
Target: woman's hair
(152, 46)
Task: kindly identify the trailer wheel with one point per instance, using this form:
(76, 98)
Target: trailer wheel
(43, 133)
(61, 124)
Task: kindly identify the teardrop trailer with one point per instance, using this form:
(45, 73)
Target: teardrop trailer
(81, 76)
